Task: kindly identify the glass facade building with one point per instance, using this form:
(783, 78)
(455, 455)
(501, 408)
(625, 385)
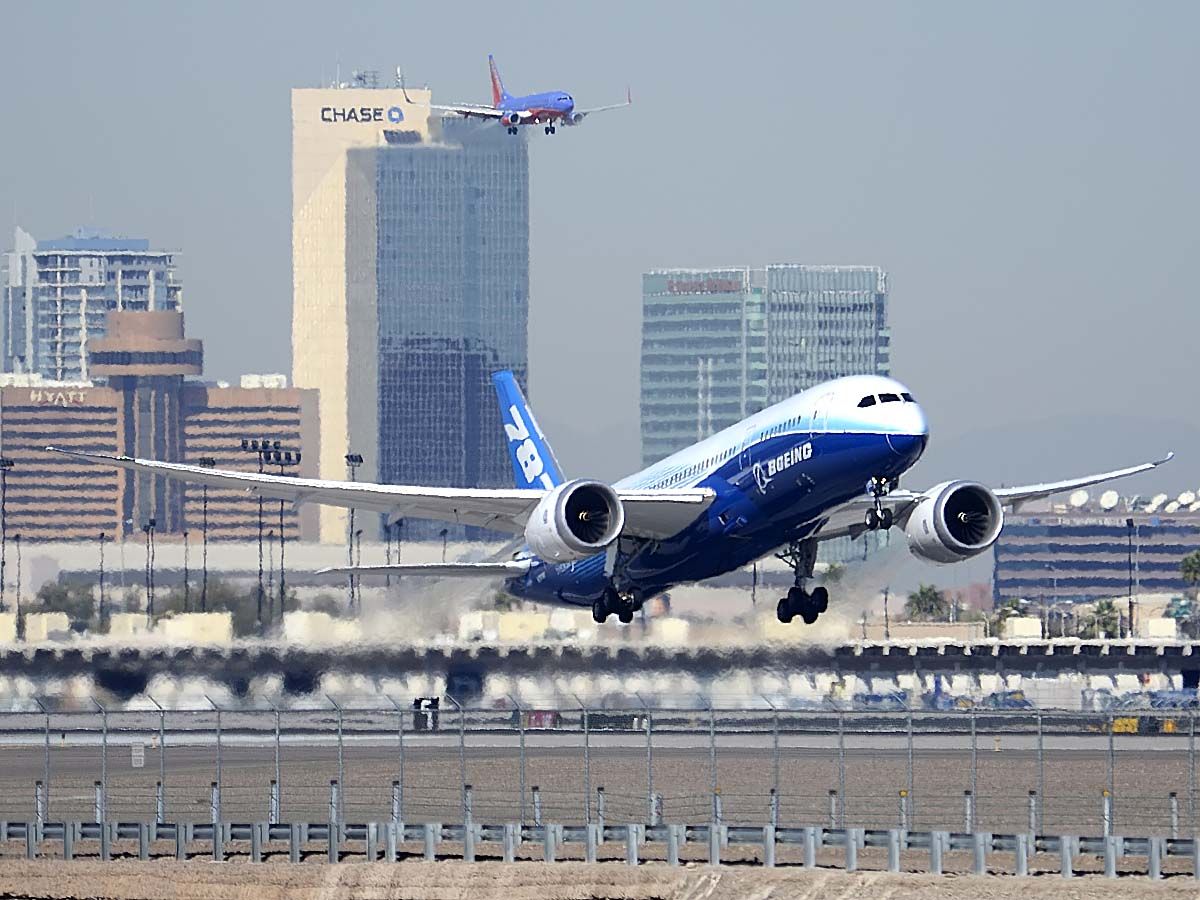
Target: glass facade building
(57, 294)
(451, 249)
(1085, 556)
(824, 322)
(703, 355)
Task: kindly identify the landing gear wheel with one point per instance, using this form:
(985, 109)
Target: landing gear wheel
(885, 519)
(809, 616)
(599, 612)
(625, 616)
(873, 520)
(820, 599)
(783, 610)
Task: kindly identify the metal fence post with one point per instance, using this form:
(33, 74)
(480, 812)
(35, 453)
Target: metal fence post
(851, 849)
(220, 754)
(893, 850)
(1106, 811)
(398, 784)
(1022, 853)
(537, 805)
(1192, 771)
(768, 846)
(335, 804)
(1154, 864)
(810, 847)
(656, 817)
(968, 811)
(103, 761)
(1110, 856)
(841, 822)
(833, 808)
(904, 810)
(1039, 824)
(161, 806)
(68, 840)
(273, 804)
(99, 802)
(45, 756)
(672, 845)
(935, 852)
(587, 763)
(278, 782)
(600, 811)
(981, 842)
(774, 760)
(1067, 866)
(1033, 823)
(341, 764)
(39, 804)
(215, 803)
(649, 760)
(632, 839)
(712, 750)
(773, 809)
(908, 774)
(1112, 767)
(1173, 803)
(521, 754)
(974, 766)
(160, 803)
(462, 746)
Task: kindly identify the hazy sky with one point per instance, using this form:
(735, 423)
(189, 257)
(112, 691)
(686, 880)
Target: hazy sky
(1026, 172)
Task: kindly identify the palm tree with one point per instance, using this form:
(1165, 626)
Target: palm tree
(927, 604)
(1189, 568)
(1105, 619)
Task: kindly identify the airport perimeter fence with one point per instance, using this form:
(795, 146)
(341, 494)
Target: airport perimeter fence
(1047, 772)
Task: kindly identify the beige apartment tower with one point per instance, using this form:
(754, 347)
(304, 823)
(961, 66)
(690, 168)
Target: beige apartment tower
(333, 294)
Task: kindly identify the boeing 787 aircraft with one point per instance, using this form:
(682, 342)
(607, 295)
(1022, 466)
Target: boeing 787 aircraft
(822, 464)
(547, 108)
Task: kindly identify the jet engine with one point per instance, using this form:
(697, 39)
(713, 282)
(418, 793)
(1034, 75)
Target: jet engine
(958, 520)
(575, 520)
(575, 118)
(512, 118)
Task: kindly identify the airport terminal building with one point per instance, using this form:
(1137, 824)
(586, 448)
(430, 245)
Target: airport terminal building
(411, 286)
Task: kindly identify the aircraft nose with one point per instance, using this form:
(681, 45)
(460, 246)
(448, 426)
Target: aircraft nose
(908, 446)
(909, 439)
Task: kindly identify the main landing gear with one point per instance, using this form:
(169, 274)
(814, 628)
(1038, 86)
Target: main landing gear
(550, 129)
(802, 557)
(621, 604)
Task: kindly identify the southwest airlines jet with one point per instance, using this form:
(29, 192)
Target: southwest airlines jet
(822, 464)
(544, 109)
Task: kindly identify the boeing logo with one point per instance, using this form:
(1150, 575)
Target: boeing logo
(763, 474)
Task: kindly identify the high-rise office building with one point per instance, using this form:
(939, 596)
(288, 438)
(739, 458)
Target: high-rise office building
(721, 344)
(703, 354)
(411, 267)
(824, 322)
(58, 292)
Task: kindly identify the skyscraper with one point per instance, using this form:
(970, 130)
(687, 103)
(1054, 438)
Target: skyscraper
(703, 354)
(411, 266)
(58, 292)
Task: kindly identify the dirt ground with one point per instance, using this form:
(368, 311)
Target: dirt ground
(518, 881)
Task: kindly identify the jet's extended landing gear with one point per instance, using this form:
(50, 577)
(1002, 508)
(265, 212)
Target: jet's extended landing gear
(802, 557)
(622, 604)
(550, 129)
(879, 517)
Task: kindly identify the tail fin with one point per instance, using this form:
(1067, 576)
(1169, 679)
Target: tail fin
(532, 459)
(499, 94)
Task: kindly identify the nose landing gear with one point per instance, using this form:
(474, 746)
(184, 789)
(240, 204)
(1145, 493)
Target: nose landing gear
(802, 557)
(621, 604)
(879, 517)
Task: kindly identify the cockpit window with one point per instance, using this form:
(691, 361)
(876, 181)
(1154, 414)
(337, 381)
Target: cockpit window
(866, 401)
(889, 398)
(908, 397)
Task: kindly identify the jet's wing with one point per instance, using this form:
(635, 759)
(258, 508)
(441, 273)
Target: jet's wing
(479, 112)
(1015, 496)
(596, 109)
(654, 514)
(849, 517)
(460, 570)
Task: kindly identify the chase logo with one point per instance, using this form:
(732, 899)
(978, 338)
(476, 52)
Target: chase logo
(395, 114)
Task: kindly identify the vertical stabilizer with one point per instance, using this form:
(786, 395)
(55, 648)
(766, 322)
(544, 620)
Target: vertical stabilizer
(533, 462)
(499, 94)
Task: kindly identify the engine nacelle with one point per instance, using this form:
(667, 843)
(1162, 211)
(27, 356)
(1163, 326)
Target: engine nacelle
(574, 118)
(959, 519)
(575, 520)
(512, 118)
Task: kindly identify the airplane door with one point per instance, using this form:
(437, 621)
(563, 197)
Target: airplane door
(747, 443)
(819, 421)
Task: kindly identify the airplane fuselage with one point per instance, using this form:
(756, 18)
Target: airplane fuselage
(775, 476)
(549, 106)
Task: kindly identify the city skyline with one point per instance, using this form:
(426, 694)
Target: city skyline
(1028, 190)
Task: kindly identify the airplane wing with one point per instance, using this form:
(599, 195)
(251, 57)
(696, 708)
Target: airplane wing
(653, 514)
(847, 519)
(468, 569)
(596, 109)
(480, 112)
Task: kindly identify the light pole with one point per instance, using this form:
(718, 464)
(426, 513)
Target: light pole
(205, 462)
(887, 627)
(353, 461)
(443, 533)
(102, 538)
(1129, 527)
(17, 541)
(5, 465)
(259, 448)
(283, 459)
(187, 586)
(357, 581)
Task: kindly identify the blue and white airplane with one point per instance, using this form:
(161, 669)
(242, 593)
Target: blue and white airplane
(547, 109)
(822, 464)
